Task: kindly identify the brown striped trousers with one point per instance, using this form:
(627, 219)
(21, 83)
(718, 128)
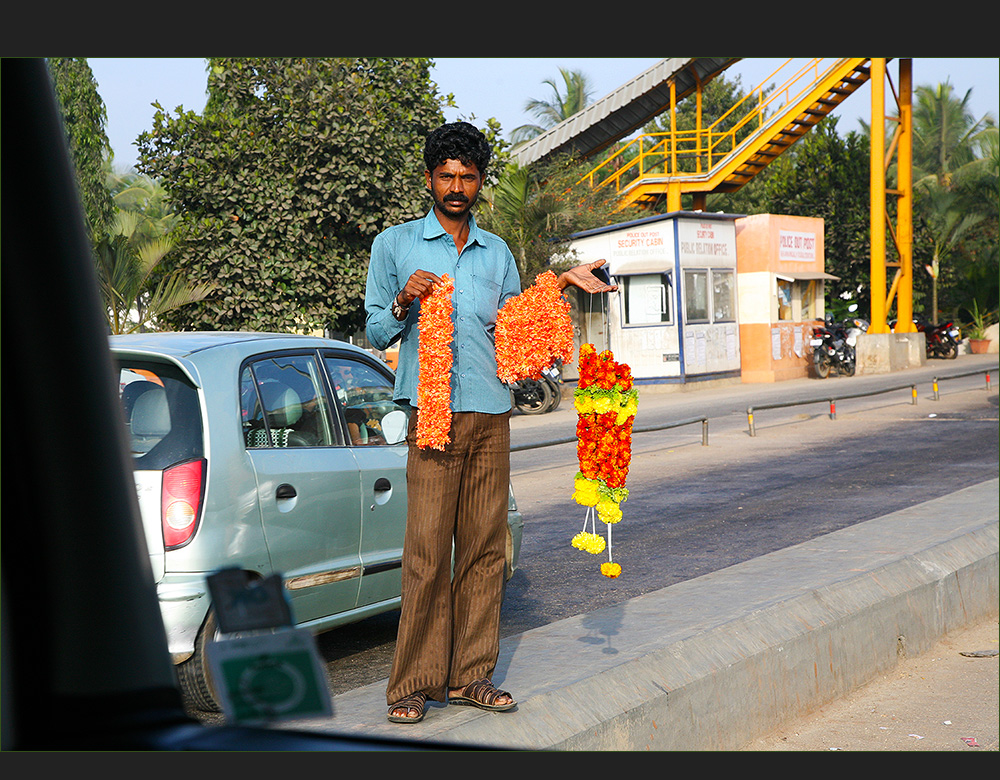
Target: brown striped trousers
(449, 626)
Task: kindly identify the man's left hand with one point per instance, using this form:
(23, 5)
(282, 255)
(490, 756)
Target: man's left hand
(581, 276)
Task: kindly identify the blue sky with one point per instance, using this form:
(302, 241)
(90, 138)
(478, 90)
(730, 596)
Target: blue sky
(489, 86)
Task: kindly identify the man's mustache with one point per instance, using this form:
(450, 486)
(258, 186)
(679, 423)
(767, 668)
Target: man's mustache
(454, 197)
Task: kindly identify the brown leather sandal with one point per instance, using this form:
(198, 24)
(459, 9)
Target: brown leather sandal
(483, 694)
(415, 702)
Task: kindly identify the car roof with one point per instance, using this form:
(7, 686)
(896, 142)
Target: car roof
(188, 343)
(191, 350)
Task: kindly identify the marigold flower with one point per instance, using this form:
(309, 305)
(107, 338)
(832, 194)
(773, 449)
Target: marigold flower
(435, 357)
(592, 543)
(611, 570)
(609, 511)
(586, 492)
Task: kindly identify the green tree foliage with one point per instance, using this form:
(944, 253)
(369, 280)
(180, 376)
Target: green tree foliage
(979, 184)
(283, 182)
(85, 118)
(943, 223)
(826, 175)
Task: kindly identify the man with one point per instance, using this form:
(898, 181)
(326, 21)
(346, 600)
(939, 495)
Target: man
(448, 639)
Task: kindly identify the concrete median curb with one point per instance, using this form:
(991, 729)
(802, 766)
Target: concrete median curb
(713, 662)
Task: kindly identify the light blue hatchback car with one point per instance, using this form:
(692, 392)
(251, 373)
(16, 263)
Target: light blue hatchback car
(272, 453)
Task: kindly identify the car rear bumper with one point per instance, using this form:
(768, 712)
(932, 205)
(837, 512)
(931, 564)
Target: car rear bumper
(184, 604)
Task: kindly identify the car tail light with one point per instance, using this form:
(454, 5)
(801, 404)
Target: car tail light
(180, 502)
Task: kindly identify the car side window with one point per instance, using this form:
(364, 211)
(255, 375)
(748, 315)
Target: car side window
(283, 403)
(363, 396)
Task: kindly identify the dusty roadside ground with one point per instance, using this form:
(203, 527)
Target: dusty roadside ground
(945, 699)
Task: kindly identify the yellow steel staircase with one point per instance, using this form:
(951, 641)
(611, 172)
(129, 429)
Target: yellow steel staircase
(726, 154)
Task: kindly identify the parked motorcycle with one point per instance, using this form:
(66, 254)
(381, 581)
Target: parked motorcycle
(834, 346)
(537, 396)
(941, 340)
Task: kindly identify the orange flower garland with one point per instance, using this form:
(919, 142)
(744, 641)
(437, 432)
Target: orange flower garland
(434, 353)
(606, 404)
(533, 330)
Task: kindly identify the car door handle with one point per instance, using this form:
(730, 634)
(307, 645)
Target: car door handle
(285, 491)
(383, 491)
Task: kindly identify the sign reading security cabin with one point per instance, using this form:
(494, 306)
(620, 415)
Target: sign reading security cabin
(639, 250)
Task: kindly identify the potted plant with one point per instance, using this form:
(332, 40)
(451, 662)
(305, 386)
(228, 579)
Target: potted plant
(976, 330)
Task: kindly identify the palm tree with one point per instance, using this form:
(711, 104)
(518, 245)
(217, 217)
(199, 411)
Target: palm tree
(562, 105)
(944, 133)
(954, 164)
(139, 193)
(133, 296)
(946, 221)
(526, 215)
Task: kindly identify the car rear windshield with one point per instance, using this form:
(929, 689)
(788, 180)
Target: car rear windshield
(162, 414)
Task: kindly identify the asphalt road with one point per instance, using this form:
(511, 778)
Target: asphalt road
(694, 509)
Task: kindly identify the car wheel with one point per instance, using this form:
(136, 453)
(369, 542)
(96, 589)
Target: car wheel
(194, 674)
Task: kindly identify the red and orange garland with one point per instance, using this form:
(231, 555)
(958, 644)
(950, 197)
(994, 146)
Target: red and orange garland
(606, 403)
(434, 354)
(533, 330)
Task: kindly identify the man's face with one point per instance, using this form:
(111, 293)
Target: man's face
(454, 187)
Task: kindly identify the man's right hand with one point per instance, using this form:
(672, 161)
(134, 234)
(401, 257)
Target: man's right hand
(419, 285)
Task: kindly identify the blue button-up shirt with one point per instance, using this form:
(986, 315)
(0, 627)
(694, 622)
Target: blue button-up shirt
(485, 275)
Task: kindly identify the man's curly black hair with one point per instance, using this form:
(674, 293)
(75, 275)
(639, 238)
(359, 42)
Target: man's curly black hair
(457, 141)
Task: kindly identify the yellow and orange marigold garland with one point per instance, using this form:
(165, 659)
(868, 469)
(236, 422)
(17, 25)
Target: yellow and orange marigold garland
(533, 330)
(606, 403)
(434, 386)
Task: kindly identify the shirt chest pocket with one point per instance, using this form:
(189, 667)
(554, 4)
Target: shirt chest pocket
(487, 300)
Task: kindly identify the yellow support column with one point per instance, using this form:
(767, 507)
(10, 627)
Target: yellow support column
(904, 210)
(877, 198)
(673, 196)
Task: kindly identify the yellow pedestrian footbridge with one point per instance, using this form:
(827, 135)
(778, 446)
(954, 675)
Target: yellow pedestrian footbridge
(658, 169)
